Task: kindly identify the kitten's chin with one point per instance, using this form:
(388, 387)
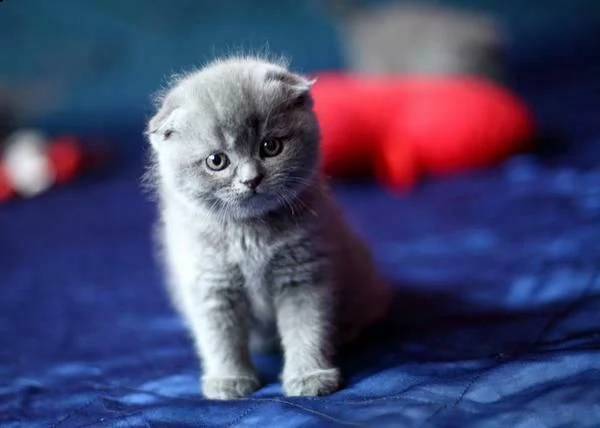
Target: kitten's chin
(253, 206)
(242, 208)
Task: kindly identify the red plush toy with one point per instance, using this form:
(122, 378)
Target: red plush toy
(401, 128)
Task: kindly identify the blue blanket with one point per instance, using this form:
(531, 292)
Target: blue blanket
(496, 321)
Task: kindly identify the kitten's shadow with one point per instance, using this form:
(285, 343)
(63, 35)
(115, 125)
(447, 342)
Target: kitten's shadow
(428, 327)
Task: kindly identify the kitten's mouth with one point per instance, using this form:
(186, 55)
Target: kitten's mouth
(252, 204)
(248, 198)
(251, 194)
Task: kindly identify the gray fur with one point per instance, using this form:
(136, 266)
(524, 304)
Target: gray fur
(272, 267)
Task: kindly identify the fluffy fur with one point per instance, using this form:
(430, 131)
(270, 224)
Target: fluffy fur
(256, 253)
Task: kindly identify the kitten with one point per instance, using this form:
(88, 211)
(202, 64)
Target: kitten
(256, 253)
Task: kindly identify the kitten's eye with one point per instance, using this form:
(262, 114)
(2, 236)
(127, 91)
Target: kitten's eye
(217, 161)
(270, 148)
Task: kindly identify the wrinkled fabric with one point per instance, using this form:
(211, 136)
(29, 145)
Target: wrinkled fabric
(496, 321)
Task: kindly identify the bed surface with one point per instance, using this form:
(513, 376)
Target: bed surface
(496, 321)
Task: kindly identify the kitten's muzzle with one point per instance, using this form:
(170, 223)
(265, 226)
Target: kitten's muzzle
(253, 182)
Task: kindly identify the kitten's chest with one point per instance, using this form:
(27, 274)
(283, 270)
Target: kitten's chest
(248, 249)
(252, 251)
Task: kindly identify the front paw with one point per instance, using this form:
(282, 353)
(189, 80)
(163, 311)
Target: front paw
(228, 388)
(314, 383)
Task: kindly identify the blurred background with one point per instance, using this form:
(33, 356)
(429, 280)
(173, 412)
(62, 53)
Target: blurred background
(72, 66)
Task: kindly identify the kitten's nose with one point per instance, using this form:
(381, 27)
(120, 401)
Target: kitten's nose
(253, 182)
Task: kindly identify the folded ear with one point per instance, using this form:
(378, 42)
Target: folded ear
(160, 126)
(295, 85)
(292, 80)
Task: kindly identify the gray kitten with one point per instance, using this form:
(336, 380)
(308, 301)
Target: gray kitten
(256, 252)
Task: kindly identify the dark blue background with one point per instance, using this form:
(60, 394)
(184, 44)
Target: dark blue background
(497, 318)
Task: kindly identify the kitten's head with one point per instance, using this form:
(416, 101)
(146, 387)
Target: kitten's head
(238, 137)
